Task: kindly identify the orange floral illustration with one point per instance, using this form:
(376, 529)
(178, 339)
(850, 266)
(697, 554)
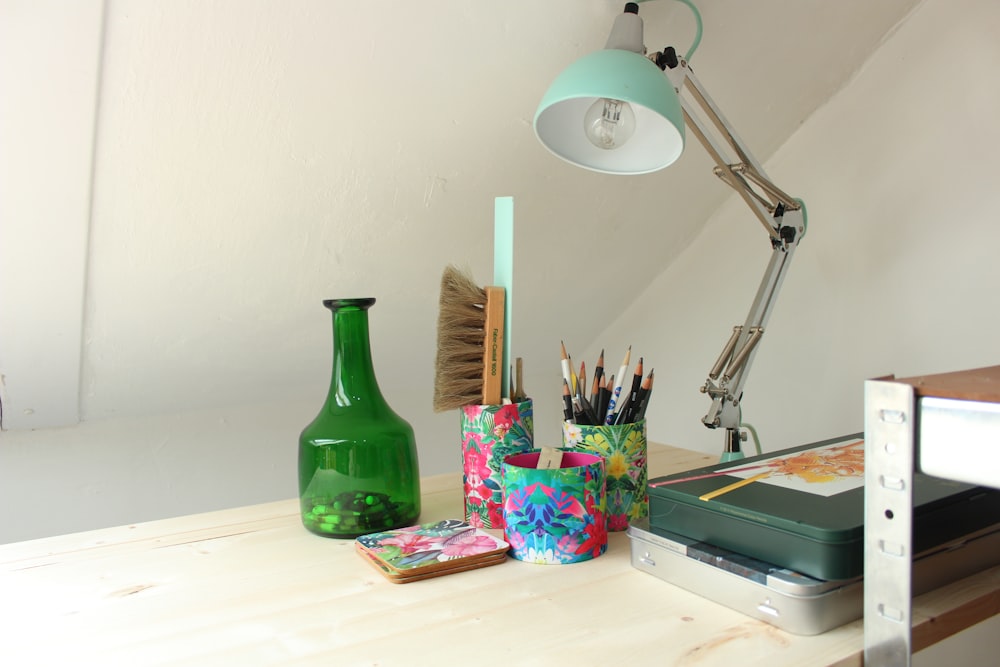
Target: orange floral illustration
(825, 465)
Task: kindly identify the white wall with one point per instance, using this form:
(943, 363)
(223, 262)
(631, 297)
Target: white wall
(50, 57)
(898, 271)
(874, 289)
(897, 274)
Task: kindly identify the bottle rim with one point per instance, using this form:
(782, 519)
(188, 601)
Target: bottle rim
(360, 303)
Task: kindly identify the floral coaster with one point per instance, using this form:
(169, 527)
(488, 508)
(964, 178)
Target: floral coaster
(430, 550)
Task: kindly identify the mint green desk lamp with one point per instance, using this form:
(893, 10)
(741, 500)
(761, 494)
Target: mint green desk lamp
(621, 111)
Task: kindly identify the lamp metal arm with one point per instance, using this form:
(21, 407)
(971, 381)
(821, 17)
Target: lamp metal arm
(780, 214)
(743, 173)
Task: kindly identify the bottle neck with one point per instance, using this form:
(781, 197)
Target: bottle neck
(353, 382)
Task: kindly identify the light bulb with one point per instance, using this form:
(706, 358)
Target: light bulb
(609, 123)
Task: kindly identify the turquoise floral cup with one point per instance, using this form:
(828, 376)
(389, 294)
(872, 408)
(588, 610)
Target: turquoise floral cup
(554, 515)
(490, 433)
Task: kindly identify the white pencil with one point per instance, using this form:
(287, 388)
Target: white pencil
(567, 371)
(616, 392)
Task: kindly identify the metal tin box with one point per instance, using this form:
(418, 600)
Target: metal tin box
(784, 598)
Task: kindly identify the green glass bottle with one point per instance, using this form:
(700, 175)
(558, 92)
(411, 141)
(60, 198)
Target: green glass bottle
(358, 470)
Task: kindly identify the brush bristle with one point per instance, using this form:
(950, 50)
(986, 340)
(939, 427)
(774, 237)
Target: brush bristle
(458, 369)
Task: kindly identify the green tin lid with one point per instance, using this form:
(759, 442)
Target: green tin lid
(813, 491)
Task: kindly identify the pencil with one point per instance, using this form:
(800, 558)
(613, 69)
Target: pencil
(598, 377)
(604, 396)
(627, 406)
(616, 392)
(567, 372)
(633, 396)
(595, 391)
(717, 473)
(636, 380)
(567, 403)
(588, 410)
(734, 486)
(519, 394)
(639, 411)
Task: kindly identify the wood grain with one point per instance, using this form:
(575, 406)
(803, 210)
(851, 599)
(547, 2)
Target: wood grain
(251, 586)
(977, 384)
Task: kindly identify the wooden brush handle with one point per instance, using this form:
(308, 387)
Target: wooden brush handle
(493, 360)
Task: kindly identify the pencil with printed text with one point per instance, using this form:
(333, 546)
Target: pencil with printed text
(628, 408)
(636, 408)
(616, 393)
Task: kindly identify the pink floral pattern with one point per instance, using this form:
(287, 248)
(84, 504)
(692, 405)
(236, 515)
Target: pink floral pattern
(490, 433)
(429, 544)
(555, 516)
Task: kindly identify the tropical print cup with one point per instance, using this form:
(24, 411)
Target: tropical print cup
(555, 515)
(490, 433)
(623, 447)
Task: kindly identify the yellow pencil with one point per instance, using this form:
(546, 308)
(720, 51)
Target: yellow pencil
(733, 486)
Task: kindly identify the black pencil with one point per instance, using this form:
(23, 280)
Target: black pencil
(628, 406)
(604, 396)
(636, 381)
(595, 390)
(598, 380)
(567, 403)
(647, 387)
(588, 410)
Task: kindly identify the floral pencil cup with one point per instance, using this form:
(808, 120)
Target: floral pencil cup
(554, 515)
(623, 447)
(490, 433)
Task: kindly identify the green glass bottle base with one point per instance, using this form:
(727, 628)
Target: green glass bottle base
(355, 513)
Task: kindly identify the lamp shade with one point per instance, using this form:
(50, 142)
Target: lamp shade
(621, 75)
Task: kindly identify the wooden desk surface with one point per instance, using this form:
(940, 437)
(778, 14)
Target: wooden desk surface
(249, 586)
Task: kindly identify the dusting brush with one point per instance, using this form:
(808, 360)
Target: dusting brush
(469, 365)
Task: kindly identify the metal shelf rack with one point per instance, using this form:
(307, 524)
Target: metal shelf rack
(945, 425)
